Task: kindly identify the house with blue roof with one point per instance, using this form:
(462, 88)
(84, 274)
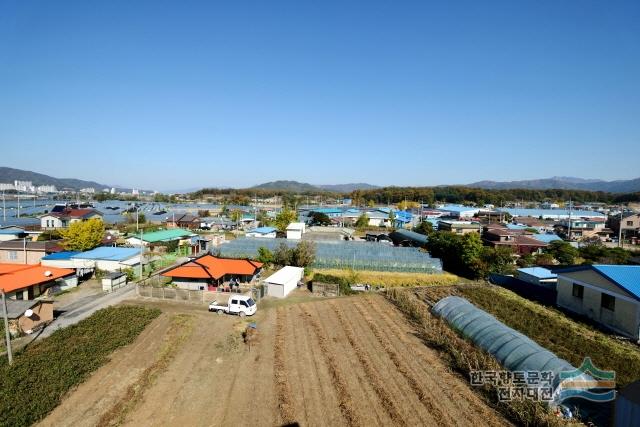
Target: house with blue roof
(265, 232)
(607, 294)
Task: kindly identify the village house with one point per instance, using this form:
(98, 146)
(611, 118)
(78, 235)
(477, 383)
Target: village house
(517, 240)
(264, 232)
(209, 272)
(630, 226)
(62, 217)
(459, 227)
(24, 251)
(576, 230)
(607, 294)
(156, 238)
(188, 221)
(26, 282)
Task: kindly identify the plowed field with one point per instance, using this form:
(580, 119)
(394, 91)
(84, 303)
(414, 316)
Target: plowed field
(347, 361)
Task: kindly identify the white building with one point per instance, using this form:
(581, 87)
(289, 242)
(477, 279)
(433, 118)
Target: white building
(46, 189)
(295, 230)
(283, 281)
(6, 187)
(88, 190)
(264, 232)
(26, 186)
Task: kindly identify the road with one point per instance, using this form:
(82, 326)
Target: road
(85, 307)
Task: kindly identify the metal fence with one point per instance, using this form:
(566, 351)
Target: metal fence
(163, 292)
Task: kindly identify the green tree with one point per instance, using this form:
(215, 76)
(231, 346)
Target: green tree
(83, 235)
(562, 251)
(236, 215)
(282, 255)
(362, 221)
(392, 219)
(284, 218)
(424, 227)
(319, 218)
(265, 256)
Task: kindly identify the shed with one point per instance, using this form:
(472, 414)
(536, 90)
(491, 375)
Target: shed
(108, 258)
(295, 230)
(268, 232)
(113, 281)
(27, 315)
(283, 281)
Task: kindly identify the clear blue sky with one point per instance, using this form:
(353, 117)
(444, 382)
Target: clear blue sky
(171, 95)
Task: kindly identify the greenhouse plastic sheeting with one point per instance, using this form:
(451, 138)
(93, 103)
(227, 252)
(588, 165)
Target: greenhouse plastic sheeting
(514, 351)
(345, 254)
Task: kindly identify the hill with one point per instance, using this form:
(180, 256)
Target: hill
(8, 175)
(347, 188)
(565, 183)
(292, 186)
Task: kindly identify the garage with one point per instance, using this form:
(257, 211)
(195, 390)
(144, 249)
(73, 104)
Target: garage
(283, 281)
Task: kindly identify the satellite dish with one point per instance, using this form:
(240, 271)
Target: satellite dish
(28, 313)
(48, 273)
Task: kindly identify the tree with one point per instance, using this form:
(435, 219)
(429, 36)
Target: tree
(319, 218)
(371, 203)
(282, 255)
(203, 213)
(284, 218)
(392, 218)
(265, 256)
(362, 221)
(544, 259)
(236, 215)
(304, 254)
(562, 251)
(408, 204)
(83, 235)
(424, 227)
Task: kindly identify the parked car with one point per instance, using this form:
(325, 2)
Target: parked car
(237, 304)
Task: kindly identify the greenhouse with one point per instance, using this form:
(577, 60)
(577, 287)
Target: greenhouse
(345, 254)
(514, 351)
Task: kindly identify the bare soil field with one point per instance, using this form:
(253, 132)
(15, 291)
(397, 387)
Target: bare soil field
(345, 361)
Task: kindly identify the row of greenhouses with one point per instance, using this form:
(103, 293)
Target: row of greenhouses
(345, 254)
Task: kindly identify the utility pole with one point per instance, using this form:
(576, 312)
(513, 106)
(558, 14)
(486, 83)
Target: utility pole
(569, 236)
(141, 253)
(620, 229)
(4, 208)
(18, 205)
(7, 336)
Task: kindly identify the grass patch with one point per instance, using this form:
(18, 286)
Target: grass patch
(553, 330)
(462, 356)
(389, 279)
(42, 373)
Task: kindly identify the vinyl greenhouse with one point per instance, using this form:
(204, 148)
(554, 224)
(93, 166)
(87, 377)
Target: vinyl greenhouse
(345, 254)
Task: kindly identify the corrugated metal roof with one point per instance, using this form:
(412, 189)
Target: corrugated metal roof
(626, 276)
(262, 230)
(108, 253)
(539, 272)
(60, 255)
(165, 235)
(546, 238)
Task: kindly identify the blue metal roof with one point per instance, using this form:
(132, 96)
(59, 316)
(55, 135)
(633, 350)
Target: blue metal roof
(539, 272)
(60, 255)
(626, 277)
(108, 253)
(457, 208)
(327, 210)
(551, 213)
(263, 230)
(11, 230)
(546, 238)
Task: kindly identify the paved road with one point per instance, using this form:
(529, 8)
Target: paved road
(85, 307)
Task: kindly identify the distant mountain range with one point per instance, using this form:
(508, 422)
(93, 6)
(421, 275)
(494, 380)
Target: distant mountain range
(8, 175)
(564, 182)
(302, 187)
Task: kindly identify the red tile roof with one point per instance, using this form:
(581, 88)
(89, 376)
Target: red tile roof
(210, 267)
(20, 276)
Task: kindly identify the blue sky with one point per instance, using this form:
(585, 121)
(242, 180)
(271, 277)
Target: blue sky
(171, 95)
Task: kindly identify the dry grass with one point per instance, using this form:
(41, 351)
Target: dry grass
(463, 357)
(389, 279)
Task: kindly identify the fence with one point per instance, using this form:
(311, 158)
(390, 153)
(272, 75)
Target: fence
(162, 292)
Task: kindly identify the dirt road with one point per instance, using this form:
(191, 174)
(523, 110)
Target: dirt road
(346, 361)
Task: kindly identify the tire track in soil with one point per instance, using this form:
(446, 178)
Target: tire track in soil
(286, 407)
(372, 376)
(423, 396)
(344, 398)
(455, 387)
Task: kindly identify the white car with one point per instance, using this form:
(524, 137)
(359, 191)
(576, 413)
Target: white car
(237, 304)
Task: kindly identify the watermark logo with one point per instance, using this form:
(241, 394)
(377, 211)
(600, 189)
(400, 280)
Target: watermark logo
(510, 385)
(587, 382)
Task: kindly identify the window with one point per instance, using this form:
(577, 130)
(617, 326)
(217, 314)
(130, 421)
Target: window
(244, 303)
(630, 223)
(234, 301)
(577, 291)
(608, 302)
(12, 255)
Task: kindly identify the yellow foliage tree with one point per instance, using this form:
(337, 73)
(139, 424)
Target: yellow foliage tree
(83, 235)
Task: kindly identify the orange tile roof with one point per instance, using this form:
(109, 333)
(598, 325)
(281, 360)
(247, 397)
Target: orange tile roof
(210, 267)
(20, 276)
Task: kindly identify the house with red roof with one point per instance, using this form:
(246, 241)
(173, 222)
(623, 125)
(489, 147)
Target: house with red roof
(209, 272)
(62, 218)
(26, 282)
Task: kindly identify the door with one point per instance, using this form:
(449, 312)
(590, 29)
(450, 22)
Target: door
(234, 306)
